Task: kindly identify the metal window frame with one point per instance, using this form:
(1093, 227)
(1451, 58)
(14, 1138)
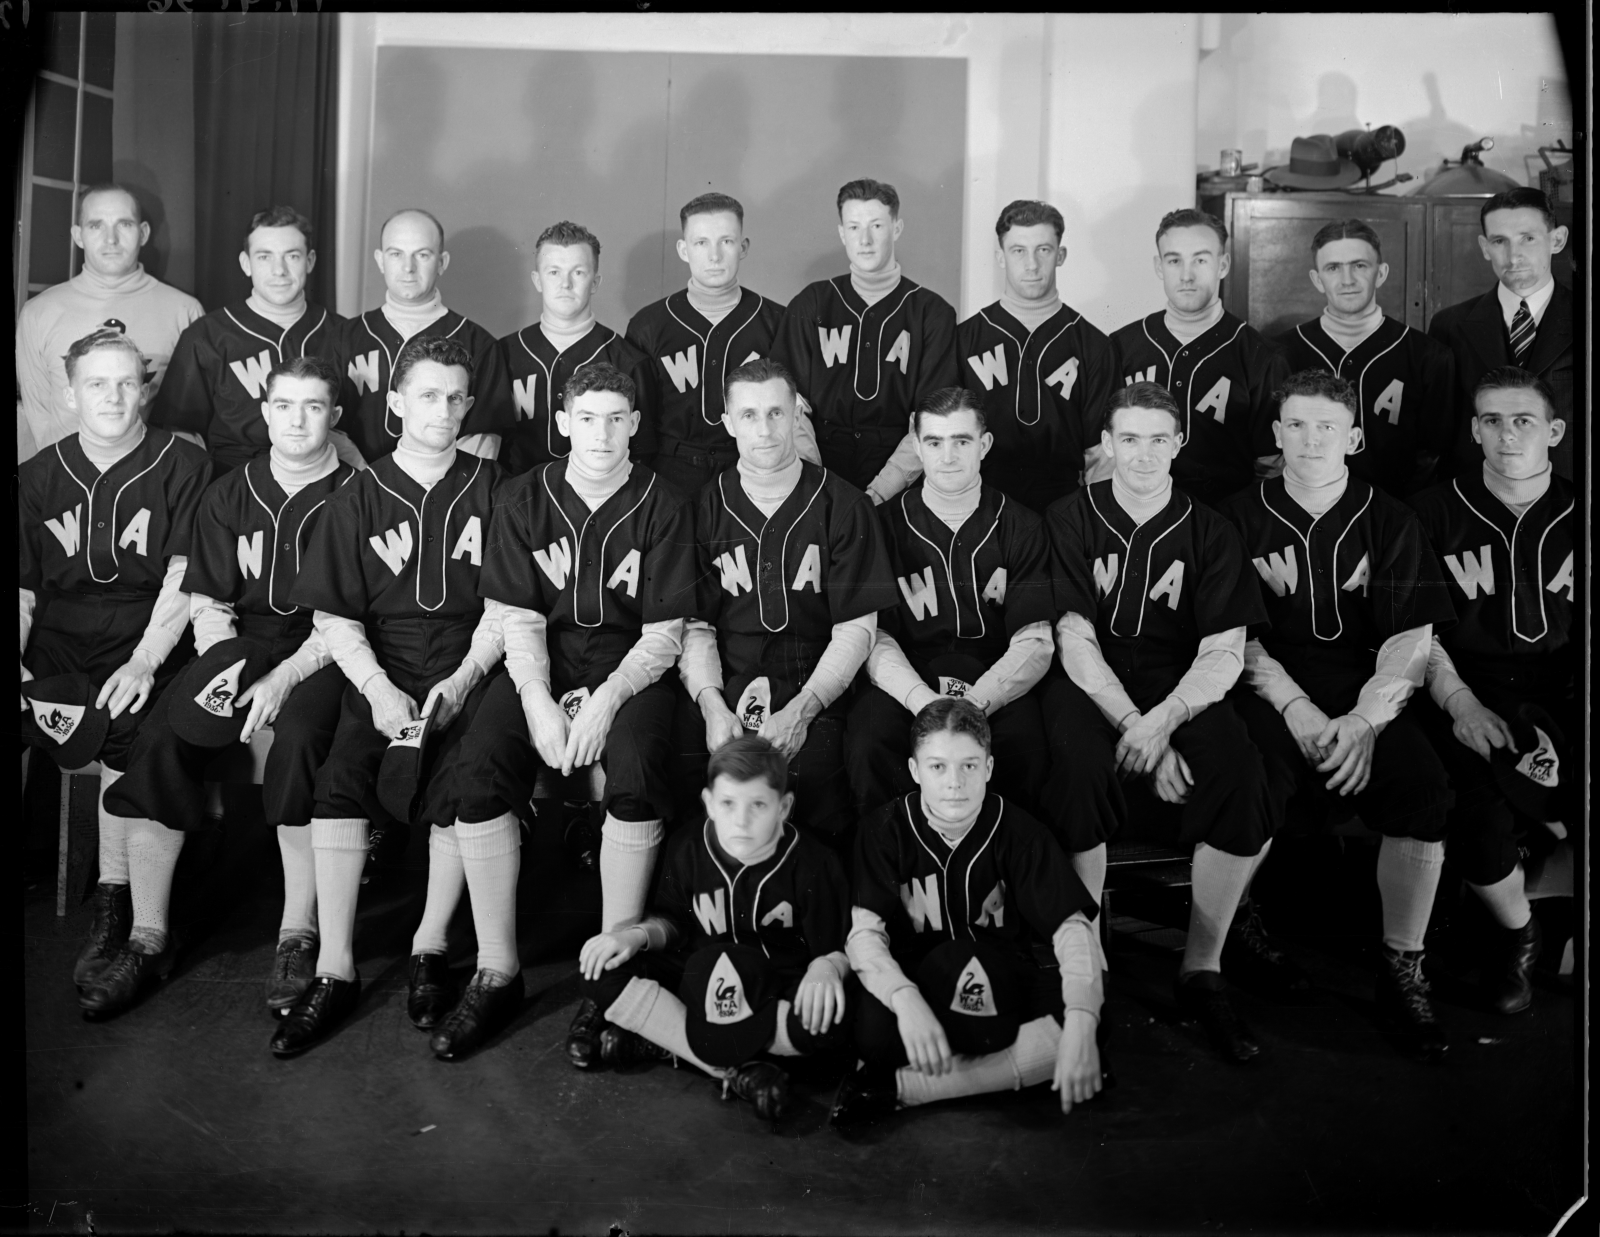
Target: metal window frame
(27, 178)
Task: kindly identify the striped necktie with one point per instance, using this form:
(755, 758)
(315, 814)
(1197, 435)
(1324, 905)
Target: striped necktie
(1522, 330)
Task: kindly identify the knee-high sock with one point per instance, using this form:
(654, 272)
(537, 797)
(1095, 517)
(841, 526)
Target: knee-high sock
(299, 882)
(113, 836)
(1408, 876)
(446, 880)
(339, 852)
(1090, 865)
(1219, 879)
(627, 857)
(153, 851)
(1507, 900)
(1030, 1059)
(648, 1009)
(782, 1045)
(491, 854)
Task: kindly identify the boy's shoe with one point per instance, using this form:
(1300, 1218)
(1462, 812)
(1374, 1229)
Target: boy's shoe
(762, 1083)
(864, 1097)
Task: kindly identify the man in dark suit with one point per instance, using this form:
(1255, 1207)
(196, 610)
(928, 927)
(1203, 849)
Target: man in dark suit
(1525, 321)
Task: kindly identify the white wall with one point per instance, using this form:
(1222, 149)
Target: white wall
(1445, 79)
(1096, 112)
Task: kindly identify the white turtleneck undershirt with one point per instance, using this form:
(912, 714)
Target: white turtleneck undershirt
(1032, 314)
(873, 286)
(713, 304)
(280, 315)
(1186, 326)
(1348, 332)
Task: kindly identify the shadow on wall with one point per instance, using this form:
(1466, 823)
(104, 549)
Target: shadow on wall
(144, 183)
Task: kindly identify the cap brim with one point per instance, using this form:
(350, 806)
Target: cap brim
(84, 743)
(195, 724)
(733, 1043)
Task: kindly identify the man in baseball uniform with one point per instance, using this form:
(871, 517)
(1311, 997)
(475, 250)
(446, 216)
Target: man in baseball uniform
(1042, 370)
(392, 575)
(541, 358)
(250, 537)
(1506, 536)
(1353, 595)
(1155, 594)
(104, 520)
(1217, 367)
(867, 347)
(974, 614)
(1404, 379)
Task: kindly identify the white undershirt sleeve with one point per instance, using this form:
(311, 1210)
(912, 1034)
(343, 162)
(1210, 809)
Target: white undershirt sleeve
(901, 468)
(347, 644)
(25, 604)
(1268, 678)
(214, 621)
(847, 651)
(805, 434)
(867, 948)
(700, 666)
(485, 446)
(527, 650)
(1083, 964)
(170, 618)
(655, 651)
(1441, 675)
(1015, 671)
(1402, 662)
(1215, 669)
(1086, 666)
(889, 670)
(311, 656)
(488, 645)
(346, 450)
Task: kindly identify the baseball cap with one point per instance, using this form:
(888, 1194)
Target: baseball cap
(66, 722)
(1530, 777)
(203, 709)
(971, 986)
(731, 992)
(400, 773)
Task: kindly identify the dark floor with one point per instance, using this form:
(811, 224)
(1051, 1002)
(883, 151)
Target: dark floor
(176, 1116)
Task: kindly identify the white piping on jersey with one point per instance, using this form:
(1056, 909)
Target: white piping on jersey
(1311, 575)
(1188, 402)
(550, 430)
(1361, 378)
(388, 383)
(705, 342)
(755, 901)
(966, 881)
(1127, 545)
(1038, 364)
(1511, 555)
(444, 537)
(855, 382)
(278, 347)
(272, 572)
(949, 575)
(783, 555)
(88, 493)
(944, 874)
(577, 547)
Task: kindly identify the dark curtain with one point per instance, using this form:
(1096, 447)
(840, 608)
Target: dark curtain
(266, 93)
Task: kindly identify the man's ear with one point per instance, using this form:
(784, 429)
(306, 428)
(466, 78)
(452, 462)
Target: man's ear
(1477, 435)
(1277, 433)
(744, 247)
(1558, 430)
(985, 441)
(1224, 265)
(705, 798)
(899, 227)
(633, 422)
(311, 260)
(564, 422)
(916, 773)
(444, 262)
(785, 806)
(1383, 274)
(1155, 265)
(333, 417)
(1558, 240)
(1061, 256)
(1316, 281)
(144, 235)
(395, 404)
(1105, 445)
(1356, 439)
(244, 263)
(1483, 248)
(683, 250)
(265, 405)
(377, 258)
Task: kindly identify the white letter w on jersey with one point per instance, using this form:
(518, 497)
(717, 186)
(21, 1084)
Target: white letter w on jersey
(364, 372)
(711, 913)
(922, 903)
(835, 344)
(990, 367)
(395, 548)
(1280, 571)
(1105, 574)
(250, 555)
(68, 529)
(921, 597)
(555, 562)
(252, 372)
(735, 569)
(1472, 571)
(683, 369)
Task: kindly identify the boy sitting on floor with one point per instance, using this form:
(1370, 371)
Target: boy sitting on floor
(746, 926)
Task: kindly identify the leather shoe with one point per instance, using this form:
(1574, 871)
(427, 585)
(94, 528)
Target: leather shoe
(1203, 996)
(863, 1097)
(1404, 1000)
(294, 966)
(583, 1036)
(1252, 960)
(123, 981)
(624, 1048)
(1511, 991)
(113, 918)
(762, 1083)
(326, 1003)
(429, 998)
(483, 1011)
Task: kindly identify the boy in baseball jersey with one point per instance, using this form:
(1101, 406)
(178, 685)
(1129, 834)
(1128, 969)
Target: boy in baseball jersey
(593, 563)
(412, 256)
(104, 520)
(974, 614)
(956, 890)
(1218, 368)
(1506, 537)
(253, 528)
(217, 379)
(793, 571)
(1042, 370)
(541, 358)
(392, 575)
(1155, 594)
(1404, 379)
(743, 949)
(1353, 595)
(694, 337)
(868, 347)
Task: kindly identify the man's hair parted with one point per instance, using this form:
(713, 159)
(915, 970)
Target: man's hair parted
(1523, 197)
(1026, 213)
(107, 186)
(1189, 217)
(761, 369)
(868, 190)
(947, 400)
(1141, 395)
(568, 233)
(597, 376)
(105, 337)
(952, 715)
(1515, 378)
(308, 366)
(1346, 230)
(278, 217)
(710, 204)
(1321, 383)
(436, 348)
(749, 758)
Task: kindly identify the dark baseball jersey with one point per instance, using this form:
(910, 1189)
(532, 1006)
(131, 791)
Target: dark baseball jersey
(688, 359)
(217, 379)
(539, 374)
(1223, 382)
(1511, 580)
(775, 587)
(1152, 590)
(1044, 393)
(371, 345)
(1404, 383)
(596, 576)
(250, 538)
(794, 906)
(1336, 586)
(385, 548)
(865, 368)
(965, 592)
(84, 531)
(1006, 882)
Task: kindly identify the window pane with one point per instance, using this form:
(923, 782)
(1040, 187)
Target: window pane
(61, 51)
(55, 117)
(50, 243)
(100, 56)
(96, 161)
